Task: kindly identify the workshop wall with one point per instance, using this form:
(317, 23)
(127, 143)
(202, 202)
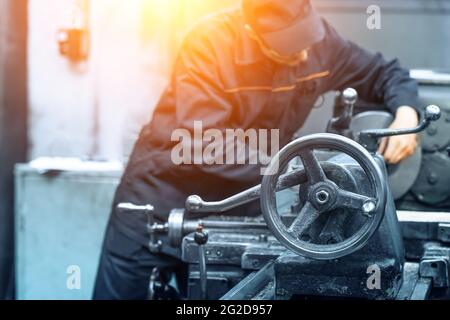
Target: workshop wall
(74, 107)
(416, 31)
(96, 108)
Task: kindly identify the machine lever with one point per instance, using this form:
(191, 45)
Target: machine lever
(130, 207)
(341, 124)
(201, 238)
(369, 139)
(153, 227)
(195, 204)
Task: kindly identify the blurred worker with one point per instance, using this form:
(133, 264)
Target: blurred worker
(263, 66)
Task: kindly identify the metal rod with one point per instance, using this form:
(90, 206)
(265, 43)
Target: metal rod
(203, 275)
(191, 225)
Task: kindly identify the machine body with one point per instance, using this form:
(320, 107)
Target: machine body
(328, 228)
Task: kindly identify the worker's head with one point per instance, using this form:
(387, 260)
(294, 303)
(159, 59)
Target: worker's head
(285, 29)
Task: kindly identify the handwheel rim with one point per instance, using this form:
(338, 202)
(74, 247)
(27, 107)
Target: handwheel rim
(279, 229)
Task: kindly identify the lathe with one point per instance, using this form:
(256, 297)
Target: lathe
(329, 227)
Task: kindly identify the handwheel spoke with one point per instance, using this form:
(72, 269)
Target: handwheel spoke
(291, 179)
(307, 216)
(350, 200)
(312, 166)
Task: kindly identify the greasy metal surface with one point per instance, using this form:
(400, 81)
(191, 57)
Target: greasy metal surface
(221, 279)
(296, 275)
(252, 285)
(422, 289)
(403, 175)
(421, 229)
(437, 136)
(435, 264)
(410, 278)
(371, 120)
(228, 247)
(432, 185)
(346, 277)
(444, 232)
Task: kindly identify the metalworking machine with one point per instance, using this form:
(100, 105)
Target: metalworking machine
(329, 226)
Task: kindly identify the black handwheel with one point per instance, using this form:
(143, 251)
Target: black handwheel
(322, 196)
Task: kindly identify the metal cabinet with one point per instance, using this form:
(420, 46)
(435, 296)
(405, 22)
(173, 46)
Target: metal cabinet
(60, 220)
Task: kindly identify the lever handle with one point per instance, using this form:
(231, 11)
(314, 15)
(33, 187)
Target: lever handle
(341, 124)
(153, 228)
(131, 208)
(201, 238)
(370, 138)
(195, 204)
(349, 96)
(432, 113)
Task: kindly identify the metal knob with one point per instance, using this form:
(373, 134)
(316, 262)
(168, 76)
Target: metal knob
(346, 103)
(432, 113)
(349, 96)
(201, 238)
(194, 203)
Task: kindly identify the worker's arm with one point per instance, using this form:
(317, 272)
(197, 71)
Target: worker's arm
(379, 81)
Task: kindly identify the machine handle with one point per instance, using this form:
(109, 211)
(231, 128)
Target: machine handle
(195, 204)
(153, 227)
(341, 124)
(131, 208)
(201, 238)
(370, 138)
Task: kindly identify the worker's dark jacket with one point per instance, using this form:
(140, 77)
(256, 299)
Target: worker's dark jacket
(223, 79)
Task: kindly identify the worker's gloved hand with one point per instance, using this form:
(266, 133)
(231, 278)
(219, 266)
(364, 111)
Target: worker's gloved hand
(397, 148)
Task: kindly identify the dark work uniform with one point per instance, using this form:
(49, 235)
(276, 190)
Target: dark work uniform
(223, 79)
